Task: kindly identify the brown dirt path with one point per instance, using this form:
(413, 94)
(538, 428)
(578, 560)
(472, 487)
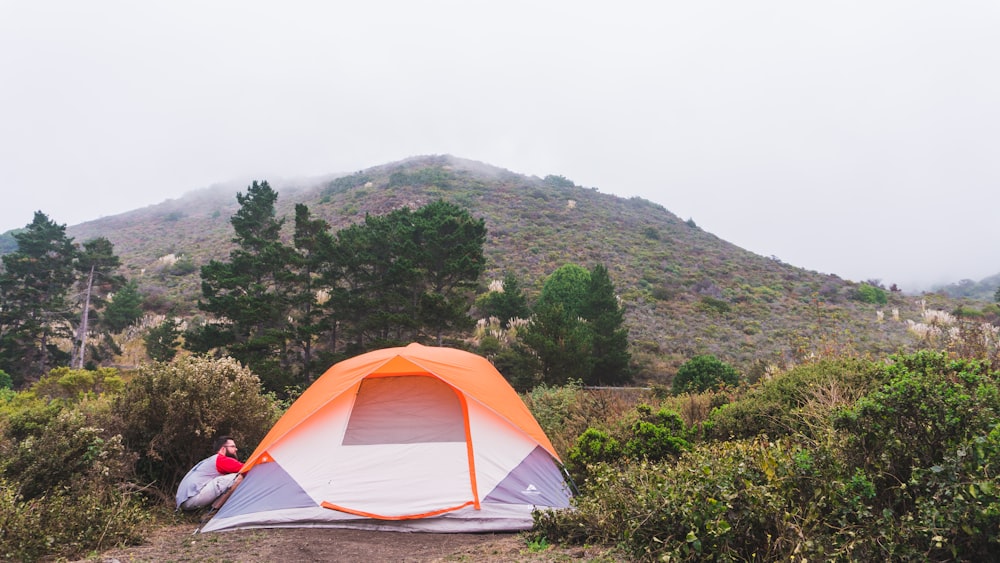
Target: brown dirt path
(176, 542)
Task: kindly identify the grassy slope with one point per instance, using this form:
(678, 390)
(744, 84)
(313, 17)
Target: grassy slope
(685, 290)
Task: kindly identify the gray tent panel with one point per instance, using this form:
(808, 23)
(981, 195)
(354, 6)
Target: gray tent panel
(265, 487)
(537, 481)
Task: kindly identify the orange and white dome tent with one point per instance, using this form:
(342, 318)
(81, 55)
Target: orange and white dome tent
(413, 438)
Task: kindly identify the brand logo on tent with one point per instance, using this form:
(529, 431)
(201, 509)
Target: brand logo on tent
(531, 489)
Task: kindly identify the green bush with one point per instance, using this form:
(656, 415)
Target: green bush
(62, 450)
(930, 405)
(653, 442)
(876, 462)
(64, 476)
(799, 400)
(67, 522)
(702, 373)
(652, 437)
(77, 384)
(867, 293)
(592, 447)
(722, 502)
(957, 503)
(170, 413)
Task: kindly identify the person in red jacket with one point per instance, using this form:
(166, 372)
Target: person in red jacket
(212, 479)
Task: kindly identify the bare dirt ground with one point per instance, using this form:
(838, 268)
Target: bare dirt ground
(177, 542)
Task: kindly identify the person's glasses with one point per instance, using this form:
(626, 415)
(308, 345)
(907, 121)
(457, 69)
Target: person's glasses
(233, 446)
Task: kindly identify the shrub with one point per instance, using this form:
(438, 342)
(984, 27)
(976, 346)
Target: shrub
(653, 442)
(798, 400)
(170, 413)
(958, 502)
(63, 475)
(929, 406)
(592, 447)
(867, 293)
(702, 373)
(61, 450)
(652, 437)
(77, 384)
(714, 503)
(565, 412)
(67, 522)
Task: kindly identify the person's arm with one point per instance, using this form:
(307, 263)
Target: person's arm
(227, 464)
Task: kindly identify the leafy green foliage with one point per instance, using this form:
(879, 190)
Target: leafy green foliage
(609, 337)
(170, 413)
(702, 373)
(505, 304)
(874, 462)
(577, 329)
(68, 522)
(63, 474)
(561, 343)
(929, 406)
(651, 437)
(125, 307)
(34, 304)
(567, 286)
(162, 341)
(868, 293)
(799, 401)
(594, 446)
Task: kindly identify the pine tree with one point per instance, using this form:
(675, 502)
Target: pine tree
(506, 305)
(97, 264)
(248, 293)
(560, 342)
(309, 290)
(162, 340)
(450, 257)
(124, 308)
(34, 307)
(609, 338)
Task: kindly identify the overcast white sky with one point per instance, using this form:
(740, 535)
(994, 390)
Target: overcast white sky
(855, 138)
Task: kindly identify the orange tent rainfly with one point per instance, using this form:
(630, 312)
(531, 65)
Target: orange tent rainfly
(410, 438)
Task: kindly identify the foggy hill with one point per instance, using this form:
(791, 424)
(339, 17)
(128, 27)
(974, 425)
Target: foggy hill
(685, 291)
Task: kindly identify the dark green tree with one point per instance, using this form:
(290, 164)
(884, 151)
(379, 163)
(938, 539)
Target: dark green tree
(380, 284)
(97, 265)
(450, 259)
(35, 309)
(561, 342)
(557, 334)
(406, 275)
(309, 290)
(702, 373)
(506, 304)
(124, 308)
(162, 341)
(566, 286)
(608, 335)
(247, 294)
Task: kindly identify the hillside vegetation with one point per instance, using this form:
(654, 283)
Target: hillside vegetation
(782, 414)
(686, 292)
